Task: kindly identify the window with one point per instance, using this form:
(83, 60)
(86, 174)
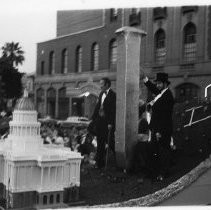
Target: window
(189, 43)
(113, 14)
(63, 103)
(159, 13)
(51, 63)
(51, 199)
(78, 106)
(134, 11)
(112, 54)
(37, 199)
(51, 102)
(42, 68)
(187, 9)
(45, 199)
(58, 198)
(186, 91)
(64, 61)
(160, 47)
(95, 57)
(79, 59)
(135, 17)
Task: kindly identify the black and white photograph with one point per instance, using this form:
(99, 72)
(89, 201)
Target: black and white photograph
(105, 104)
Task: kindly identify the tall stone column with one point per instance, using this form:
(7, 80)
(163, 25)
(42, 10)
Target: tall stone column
(127, 89)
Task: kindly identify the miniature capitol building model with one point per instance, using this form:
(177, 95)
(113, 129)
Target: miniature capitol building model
(34, 175)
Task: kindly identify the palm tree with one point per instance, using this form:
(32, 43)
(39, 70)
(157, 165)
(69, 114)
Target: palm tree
(13, 52)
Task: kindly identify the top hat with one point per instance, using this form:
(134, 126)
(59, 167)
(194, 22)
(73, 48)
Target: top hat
(162, 77)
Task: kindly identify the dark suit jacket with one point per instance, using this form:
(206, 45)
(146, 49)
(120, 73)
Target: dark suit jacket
(109, 107)
(161, 117)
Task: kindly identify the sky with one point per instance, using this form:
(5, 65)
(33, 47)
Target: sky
(32, 21)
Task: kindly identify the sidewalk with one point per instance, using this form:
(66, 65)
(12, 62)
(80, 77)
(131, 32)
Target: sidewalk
(198, 193)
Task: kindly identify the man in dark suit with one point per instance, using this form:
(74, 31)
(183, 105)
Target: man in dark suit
(104, 120)
(161, 124)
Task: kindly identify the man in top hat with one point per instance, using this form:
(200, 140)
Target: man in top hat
(161, 124)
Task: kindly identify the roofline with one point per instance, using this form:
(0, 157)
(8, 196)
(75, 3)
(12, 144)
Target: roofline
(79, 32)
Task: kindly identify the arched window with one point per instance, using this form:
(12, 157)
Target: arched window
(160, 47)
(64, 61)
(189, 42)
(63, 103)
(78, 59)
(51, 102)
(95, 57)
(51, 199)
(51, 63)
(58, 198)
(186, 91)
(45, 199)
(37, 199)
(112, 54)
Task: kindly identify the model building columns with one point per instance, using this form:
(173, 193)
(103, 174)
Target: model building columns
(127, 89)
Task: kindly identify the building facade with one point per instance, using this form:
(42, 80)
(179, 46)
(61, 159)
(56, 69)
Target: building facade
(70, 66)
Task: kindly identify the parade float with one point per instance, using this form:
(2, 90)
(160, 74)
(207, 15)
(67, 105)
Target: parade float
(34, 175)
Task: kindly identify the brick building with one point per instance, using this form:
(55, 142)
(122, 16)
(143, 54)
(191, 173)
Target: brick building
(70, 66)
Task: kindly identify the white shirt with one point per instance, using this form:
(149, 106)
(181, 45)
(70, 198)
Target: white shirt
(104, 95)
(157, 97)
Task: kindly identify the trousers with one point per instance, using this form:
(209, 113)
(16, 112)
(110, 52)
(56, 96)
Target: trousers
(102, 140)
(160, 154)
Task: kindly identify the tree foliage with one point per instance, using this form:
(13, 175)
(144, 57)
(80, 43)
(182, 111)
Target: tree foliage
(13, 53)
(11, 85)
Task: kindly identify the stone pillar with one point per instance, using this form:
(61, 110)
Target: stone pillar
(127, 89)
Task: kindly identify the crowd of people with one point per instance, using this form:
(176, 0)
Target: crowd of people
(77, 138)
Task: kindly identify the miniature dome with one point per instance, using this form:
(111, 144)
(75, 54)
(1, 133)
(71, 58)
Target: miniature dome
(24, 104)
